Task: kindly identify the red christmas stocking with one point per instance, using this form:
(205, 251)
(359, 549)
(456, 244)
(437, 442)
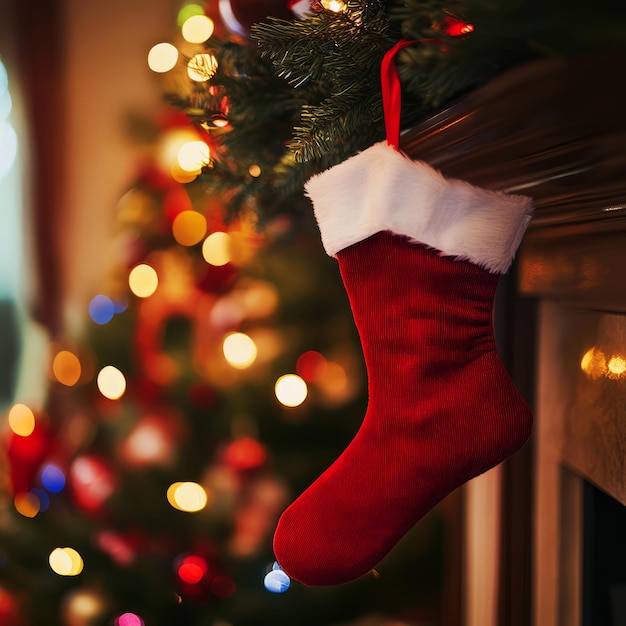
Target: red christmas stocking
(420, 257)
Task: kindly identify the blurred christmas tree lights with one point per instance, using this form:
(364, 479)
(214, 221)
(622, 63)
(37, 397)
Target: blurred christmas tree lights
(217, 371)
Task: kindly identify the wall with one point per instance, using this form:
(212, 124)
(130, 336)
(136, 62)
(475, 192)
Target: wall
(107, 42)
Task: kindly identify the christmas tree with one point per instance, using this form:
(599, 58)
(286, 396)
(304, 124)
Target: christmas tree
(304, 94)
(217, 373)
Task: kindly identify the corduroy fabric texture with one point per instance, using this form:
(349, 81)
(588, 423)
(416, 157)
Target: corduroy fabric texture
(442, 409)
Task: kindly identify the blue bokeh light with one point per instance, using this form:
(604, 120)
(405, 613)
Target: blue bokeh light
(101, 309)
(53, 478)
(120, 306)
(44, 499)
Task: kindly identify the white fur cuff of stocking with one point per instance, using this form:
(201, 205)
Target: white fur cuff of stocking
(380, 189)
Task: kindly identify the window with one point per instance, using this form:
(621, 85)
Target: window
(11, 248)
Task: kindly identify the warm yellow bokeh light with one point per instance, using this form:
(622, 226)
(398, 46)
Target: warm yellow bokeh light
(254, 171)
(83, 607)
(162, 57)
(66, 368)
(193, 156)
(240, 350)
(21, 420)
(197, 29)
(202, 67)
(593, 363)
(291, 390)
(616, 366)
(66, 562)
(27, 504)
(216, 249)
(182, 176)
(169, 146)
(336, 6)
(143, 280)
(334, 380)
(111, 382)
(189, 227)
(187, 496)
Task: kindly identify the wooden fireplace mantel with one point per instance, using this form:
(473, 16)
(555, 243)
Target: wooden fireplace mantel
(553, 129)
(556, 130)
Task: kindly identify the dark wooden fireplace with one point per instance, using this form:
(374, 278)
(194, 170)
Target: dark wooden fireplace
(556, 131)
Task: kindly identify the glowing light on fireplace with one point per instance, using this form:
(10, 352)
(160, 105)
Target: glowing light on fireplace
(616, 366)
(593, 363)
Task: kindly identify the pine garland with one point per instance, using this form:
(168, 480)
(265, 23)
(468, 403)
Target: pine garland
(307, 95)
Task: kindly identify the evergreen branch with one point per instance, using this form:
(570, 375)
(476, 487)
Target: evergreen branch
(308, 95)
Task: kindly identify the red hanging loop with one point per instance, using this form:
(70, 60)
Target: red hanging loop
(392, 93)
(390, 83)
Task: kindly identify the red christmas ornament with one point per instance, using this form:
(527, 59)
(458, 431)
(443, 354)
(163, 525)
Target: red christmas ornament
(240, 15)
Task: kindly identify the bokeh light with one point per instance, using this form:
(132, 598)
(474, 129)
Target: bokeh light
(245, 453)
(216, 249)
(83, 607)
(254, 171)
(129, 619)
(27, 504)
(66, 562)
(239, 350)
(334, 383)
(182, 176)
(197, 29)
(202, 67)
(149, 442)
(593, 363)
(336, 6)
(162, 57)
(168, 148)
(116, 546)
(616, 366)
(187, 11)
(187, 496)
(21, 420)
(111, 382)
(291, 390)
(189, 227)
(311, 366)
(193, 156)
(53, 478)
(143, 280)
(42, 496)
(66, 368)
(223, 586)
(192, 569)
(92, 482)
(101, 309)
